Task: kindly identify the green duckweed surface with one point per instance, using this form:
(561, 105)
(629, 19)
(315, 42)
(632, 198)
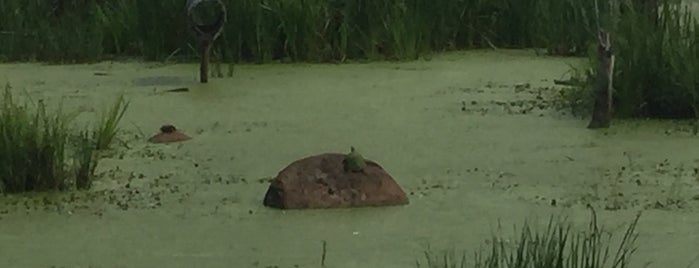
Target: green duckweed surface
(471, 136)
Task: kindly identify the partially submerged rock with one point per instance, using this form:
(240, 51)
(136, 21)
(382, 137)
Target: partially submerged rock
(168, 133)
(321, 182)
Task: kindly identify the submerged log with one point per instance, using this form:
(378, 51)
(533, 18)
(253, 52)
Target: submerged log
(602, 111)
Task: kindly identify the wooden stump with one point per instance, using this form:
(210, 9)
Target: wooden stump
(602, 111)
(205, 48)
(206, 33)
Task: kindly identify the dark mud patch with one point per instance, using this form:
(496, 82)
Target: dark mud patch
(159, 81)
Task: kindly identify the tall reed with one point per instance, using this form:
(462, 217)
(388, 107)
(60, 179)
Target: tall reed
(40, 152)
(557, 246)
(33, 146)
(298, 30)
(657, 61)
(107, 126)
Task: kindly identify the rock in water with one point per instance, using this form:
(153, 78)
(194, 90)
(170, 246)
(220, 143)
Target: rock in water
(321, 182)
(168, 133)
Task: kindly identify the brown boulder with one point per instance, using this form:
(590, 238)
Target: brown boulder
(320, 182)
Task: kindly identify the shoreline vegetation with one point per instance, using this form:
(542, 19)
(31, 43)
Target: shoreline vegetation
(281, 30)
(655, 41)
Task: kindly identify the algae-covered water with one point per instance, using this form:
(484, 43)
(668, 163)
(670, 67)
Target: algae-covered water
(471, 136)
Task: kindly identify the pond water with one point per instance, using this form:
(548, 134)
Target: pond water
(470, 135)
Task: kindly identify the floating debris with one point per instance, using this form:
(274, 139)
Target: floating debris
(177, 90)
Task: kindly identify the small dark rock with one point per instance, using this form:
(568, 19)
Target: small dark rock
(168, 133)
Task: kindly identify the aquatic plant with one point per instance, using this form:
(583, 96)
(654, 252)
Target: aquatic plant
(108, 124)
(575, 95)
(33, 146)
(85, 160)
(558, 246)
(89, 142)
(41, 153)
(657, 61)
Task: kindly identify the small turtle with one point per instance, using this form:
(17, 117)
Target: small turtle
(353, 162)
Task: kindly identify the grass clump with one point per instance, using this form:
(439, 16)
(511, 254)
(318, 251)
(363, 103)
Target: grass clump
(576, 93)
(555, 247)
(108, 123)
(33, 147)
(89, 142)
(657, 66)
(41, 153)
(85, 160)
(657, 63)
